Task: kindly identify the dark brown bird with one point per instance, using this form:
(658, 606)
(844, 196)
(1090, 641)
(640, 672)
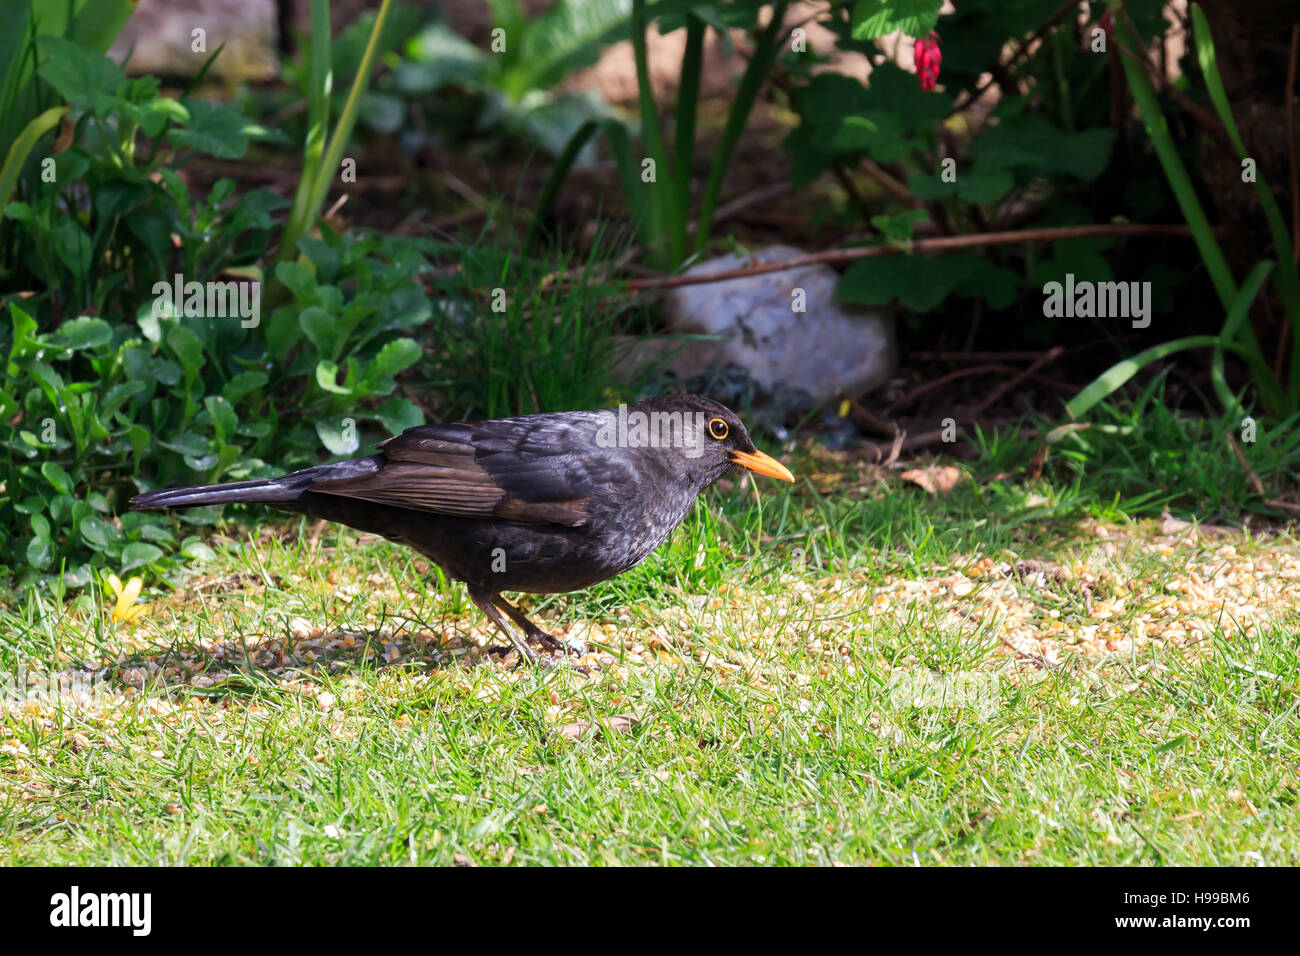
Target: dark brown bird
(541, 503)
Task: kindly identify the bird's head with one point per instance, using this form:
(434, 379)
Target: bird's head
(701, 439)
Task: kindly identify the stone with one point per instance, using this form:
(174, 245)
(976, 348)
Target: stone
(827, 349)
(160, 39)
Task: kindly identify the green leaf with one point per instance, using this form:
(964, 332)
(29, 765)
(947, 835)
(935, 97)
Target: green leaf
(898, 227)
(299, 280)
(80, 77)
(567, 37)
(1035, 145)
(19, 212)
(197, 550)
(873, 19)
(186, 443)
(24, 342)
(81, 333)
(218, 129)
(57, 477)
(397, 356)
(50, 381)
(166, 371)
(893, 89)
(830, 97)
(322, 329)
(383, 112)
(339, 435)
(399, 414)
(874, 132)
(242, 384)
(137, 554)
(140, 441)
(149, 322)
(97, 532)
(187, 347)
(224, 420)
(997, 286)
(39, 553)
(156, 532)
(154, 114)
(61, 508)
(1071, 257)
(914, 281)
(327, 374)
(985, 188)
(118, 396)
(73, 247)
(254, 211)
(153, 228)
(439, 56)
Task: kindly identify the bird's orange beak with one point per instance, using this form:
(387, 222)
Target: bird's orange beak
(761, 464)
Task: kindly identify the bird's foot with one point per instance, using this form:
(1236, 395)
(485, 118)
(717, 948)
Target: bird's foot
(570, 645)
(528, 656)
(551, 663)
(525, 654)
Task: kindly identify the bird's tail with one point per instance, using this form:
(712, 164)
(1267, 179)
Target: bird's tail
(266, 490)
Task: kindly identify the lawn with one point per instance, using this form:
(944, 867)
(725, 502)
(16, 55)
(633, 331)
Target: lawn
(850, 671)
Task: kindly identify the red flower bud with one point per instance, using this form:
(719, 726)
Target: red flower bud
(927, 56)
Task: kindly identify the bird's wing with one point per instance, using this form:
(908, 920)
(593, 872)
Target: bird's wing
(536, 468)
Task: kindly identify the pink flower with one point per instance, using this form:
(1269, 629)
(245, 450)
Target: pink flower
(927, 56)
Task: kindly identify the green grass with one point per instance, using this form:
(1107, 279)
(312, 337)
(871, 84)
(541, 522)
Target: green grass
(769, 724)
(517, 335)
(1147, 455)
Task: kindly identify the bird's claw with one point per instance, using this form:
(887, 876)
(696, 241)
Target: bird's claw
(570, 645)
(550, 663)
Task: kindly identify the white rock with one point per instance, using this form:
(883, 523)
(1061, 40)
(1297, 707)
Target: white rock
(825, 349)
(160, 37)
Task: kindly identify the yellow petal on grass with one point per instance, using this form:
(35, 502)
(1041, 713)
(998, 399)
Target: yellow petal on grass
(126, 608)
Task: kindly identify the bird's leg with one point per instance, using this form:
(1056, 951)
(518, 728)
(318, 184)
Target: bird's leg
(484, 599)
(534, 633)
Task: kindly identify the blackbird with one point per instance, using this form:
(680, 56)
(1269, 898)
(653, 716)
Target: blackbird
(543, 504)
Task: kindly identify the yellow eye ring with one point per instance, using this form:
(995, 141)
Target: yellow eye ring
(718, 428)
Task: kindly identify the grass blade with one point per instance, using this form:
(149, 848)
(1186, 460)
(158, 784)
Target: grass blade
(318, 117)
(688, 96)
(21, 146)
(351, 107)
(664, 221)
(750, 84)
(1286, 278)
(1236, 316)
(1185, 194)
(620, 145)
(1119, 373)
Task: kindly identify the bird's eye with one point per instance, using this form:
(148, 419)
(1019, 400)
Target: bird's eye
(717, 428)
